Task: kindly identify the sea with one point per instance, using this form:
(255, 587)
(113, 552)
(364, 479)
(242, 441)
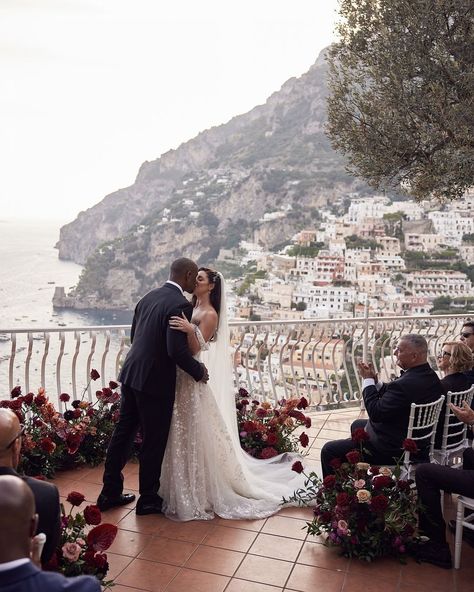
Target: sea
(29, 272)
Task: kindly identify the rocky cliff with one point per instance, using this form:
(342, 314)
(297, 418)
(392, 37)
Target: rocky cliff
(210, 193)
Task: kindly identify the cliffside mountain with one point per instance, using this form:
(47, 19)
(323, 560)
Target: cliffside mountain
(210, 193)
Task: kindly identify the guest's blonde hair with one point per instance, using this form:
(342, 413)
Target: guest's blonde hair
(461, 358)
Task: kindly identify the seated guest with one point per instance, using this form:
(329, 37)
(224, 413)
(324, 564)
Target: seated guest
(388, 405)
(46, 494)
(455, 359)
(467, 337)
(430, 480)
(18, 523)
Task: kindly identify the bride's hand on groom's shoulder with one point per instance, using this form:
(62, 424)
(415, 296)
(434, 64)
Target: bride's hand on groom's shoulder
(205, 376)
(181, 324)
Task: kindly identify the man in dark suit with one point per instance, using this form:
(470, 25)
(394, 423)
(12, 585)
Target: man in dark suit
(46, 494)
(467, 337)
(18, 523)
(148, 380)
(388, 405)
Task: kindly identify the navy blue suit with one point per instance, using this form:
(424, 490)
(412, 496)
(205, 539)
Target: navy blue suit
(148, 380)
(28, 578)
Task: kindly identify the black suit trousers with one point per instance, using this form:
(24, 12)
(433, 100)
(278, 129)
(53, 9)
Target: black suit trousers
(152, 414)
(430, 480)
(339, 449)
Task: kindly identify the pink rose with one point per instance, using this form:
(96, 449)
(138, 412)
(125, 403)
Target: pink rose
(359, 484)
(71, 551)
(342, 528)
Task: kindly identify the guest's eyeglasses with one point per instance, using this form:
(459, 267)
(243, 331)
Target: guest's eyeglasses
(466, 335)
(19, 435)
(443, 354)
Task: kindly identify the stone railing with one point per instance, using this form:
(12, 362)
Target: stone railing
(314, 358)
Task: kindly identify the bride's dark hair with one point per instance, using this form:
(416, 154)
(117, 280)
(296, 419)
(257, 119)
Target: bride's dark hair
(215, 294)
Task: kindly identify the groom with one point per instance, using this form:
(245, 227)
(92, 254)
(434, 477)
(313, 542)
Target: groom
(148, 380)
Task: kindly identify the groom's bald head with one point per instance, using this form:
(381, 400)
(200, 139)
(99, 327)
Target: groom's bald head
(183, 271)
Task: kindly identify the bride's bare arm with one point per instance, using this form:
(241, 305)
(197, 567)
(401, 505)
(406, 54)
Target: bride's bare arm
(207, 326)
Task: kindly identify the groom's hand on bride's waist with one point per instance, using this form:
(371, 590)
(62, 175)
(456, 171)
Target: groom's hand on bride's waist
(205, 376)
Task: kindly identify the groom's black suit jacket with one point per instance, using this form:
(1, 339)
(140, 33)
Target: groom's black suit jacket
(150, 365)
(389, 408)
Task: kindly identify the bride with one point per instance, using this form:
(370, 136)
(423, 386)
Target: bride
(205, 471)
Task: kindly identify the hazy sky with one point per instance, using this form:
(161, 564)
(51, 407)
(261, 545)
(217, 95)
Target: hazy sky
(89, 89)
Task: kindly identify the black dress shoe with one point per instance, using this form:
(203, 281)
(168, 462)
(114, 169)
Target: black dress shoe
(435, 553)
(106, 503)
(144, 509)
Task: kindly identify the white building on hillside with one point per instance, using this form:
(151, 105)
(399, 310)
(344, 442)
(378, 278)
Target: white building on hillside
(437, 282)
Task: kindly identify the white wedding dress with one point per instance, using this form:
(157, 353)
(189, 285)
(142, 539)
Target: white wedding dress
(205, 472)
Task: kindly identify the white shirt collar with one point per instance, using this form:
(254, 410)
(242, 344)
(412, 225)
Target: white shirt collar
(12, 564)
(177, 285)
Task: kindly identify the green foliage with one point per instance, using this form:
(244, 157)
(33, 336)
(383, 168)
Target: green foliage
(401, 94)
(301, 306)
(356, 242)
(302, 251)
(468, 238)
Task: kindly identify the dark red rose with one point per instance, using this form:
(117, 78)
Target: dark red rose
(64, 397)
(353, 457)
(329, 481)
(77, 413)
(15, 404)
(343, 499)
(335, 463)
(244, 402)
(16, 392)
(92, 515)
(307, 422)
(101, 537)
(261, 412)
(113, 384)
(243, 393)
(75, 404)
(271, 439)
(90, 412)
(5, 404)
(326, 516)
(379, 503)
(249, 427)
(382, 481)
(89, 557)
(360, 435)
(75, 498)
(297, 415)
(268, 452)
(28, 399)
(256, 403)
(303, 403)
(410, 445)
(304, 440)
(47, 445)
(374, 469)
(297, 467)
(403, 485)
(69, 414)
(101, 563)
(94, 374)
(106, 392)
(73, 442)
(40, 400)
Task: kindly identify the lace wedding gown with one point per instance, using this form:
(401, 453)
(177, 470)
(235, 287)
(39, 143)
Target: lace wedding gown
(206, 472)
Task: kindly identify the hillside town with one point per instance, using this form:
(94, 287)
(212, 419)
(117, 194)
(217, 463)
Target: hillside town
(399, 258)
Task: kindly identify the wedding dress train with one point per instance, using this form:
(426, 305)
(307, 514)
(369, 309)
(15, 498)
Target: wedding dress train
(205, 471)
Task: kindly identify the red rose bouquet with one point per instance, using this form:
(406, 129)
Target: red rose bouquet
(266, 430)
(365, 510)
(81, 549)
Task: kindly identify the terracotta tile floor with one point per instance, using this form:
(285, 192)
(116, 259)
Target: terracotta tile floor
(153, 554)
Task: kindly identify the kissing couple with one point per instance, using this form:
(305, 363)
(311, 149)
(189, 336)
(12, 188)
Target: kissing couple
(178, 389)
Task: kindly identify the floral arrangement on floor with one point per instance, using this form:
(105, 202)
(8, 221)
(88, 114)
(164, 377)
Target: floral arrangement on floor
(266, 431)
(81, 551)
(366, 510)
(54, 440)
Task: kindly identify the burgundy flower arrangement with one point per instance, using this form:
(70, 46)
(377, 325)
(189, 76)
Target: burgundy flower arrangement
(266, 431)
(54, 440)
(367, 511)
(81, 548)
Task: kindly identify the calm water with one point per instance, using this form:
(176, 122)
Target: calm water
(29, 272)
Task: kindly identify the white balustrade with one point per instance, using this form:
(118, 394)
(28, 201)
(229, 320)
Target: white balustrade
(272, 360)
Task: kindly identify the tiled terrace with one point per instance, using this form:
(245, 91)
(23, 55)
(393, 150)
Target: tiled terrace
(154, 554)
